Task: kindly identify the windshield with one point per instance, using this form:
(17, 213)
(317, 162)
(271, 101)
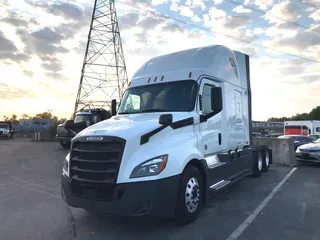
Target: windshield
(83, 118)
(176, 96)
(317, 141)
(4, 126)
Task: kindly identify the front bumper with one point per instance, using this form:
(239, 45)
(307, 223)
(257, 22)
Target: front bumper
(4, 135)
(154, 198)
(308, 156)
(68, 138)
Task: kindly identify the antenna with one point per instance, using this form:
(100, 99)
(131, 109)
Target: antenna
(104, 73)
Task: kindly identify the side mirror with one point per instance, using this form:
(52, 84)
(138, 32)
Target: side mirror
(165, 119)
(68, 123)
(113, 107)
(295, 142)
(216, 99)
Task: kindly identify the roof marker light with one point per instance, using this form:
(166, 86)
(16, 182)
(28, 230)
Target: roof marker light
(190, 74)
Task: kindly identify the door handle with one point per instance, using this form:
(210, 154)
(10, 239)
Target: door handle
(219, 137)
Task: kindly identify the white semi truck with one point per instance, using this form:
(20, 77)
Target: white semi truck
(181, 135)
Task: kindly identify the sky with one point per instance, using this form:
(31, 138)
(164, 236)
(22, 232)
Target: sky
(42, 47)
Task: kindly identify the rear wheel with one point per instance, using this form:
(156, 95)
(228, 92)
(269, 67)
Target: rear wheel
(257, 162)
(266, 159)
(190, 196)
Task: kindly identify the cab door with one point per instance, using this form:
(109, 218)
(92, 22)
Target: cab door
(210, 121)
(210, 128)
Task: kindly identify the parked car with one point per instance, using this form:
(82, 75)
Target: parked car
(298, 140)
(6, 130)
(315, 136)
(309, 152)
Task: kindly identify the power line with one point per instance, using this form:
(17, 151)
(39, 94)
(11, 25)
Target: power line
(215, 32)
(265, 12)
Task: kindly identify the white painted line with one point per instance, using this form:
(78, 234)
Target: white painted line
(255, 213)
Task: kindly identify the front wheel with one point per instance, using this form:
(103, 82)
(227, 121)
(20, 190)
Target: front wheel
(190, 196)
(65, 144)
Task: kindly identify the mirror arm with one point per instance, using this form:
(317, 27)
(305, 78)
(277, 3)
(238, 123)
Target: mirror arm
(205, 117)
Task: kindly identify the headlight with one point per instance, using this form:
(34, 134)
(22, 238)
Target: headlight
(150, 167)
(298, 150)
(6, 131)
(66, 165)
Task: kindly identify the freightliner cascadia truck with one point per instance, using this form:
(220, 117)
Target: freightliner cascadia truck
(182, 134)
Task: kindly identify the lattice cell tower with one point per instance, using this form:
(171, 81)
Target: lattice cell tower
(104, 74)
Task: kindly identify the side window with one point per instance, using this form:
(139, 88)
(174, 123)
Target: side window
(133, 103)
(318, 129)
(211, 99)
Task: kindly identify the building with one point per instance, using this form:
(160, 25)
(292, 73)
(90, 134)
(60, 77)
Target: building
(267, 128)
(31, 124)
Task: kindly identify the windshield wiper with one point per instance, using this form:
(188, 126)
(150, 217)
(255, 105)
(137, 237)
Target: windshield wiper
(154, 110)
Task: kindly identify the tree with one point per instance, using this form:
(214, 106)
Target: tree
(13, 119)
(25, 116)
(314, 114)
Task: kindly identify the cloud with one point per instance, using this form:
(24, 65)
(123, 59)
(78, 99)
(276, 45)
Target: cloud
(150, 22)
(258, 31)
(282, 29)
(263, 4)
(284, 11)
(301, 41)
(15, 20)
(214, 13)
(241, 9)
(186, 11)
(67, 10)
(8, 50)
(315, 15)
(128, 20)
(158, 2)
(11, 92)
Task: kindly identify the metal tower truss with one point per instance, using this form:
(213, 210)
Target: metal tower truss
(104, 74)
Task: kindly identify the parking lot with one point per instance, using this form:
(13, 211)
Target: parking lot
(31, 206)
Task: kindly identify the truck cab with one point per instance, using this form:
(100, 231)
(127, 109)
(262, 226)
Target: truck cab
(82, 119)
(181, 135)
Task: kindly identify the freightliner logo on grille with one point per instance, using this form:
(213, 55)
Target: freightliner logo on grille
(94, 138)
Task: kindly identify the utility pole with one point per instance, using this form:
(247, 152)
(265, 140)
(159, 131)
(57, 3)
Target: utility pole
(104, 73)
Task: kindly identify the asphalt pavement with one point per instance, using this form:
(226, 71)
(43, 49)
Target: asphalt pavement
(31, 206)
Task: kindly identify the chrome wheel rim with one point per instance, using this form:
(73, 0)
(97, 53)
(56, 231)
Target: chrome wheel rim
(192, 195)
(259, 161)
(267, 158)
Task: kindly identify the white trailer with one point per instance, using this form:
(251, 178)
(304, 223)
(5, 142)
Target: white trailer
(307, 127)
(181, 135)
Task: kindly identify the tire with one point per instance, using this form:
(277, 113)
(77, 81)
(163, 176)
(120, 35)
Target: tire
(190, 193)
(266, 159)
(64, 144)
(257, 162)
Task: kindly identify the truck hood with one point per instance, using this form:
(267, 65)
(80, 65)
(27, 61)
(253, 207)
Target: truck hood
(129, 125)
(2, 129)
(310, 146)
